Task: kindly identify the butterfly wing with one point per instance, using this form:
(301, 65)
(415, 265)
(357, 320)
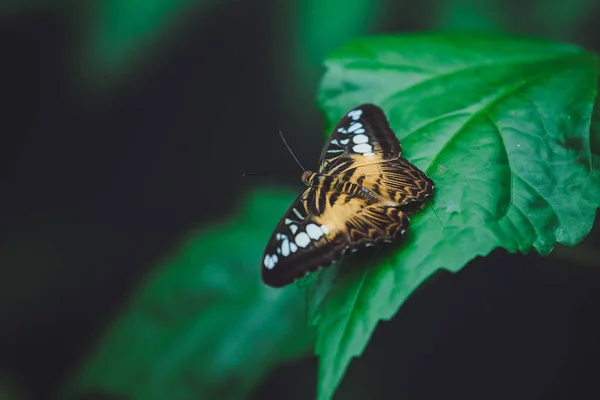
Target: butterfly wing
(364, 150)
(363, 132)
(313, 235)
(395, 180)
(299, 244)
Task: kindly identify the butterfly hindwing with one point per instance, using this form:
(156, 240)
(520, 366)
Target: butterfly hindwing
(364, 132)
(299, 243)
(365, 221)
(396, 180)
(310, 236)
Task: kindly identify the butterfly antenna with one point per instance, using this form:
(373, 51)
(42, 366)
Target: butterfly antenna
(290, 150)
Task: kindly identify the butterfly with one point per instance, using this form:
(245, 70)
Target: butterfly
(361, 195)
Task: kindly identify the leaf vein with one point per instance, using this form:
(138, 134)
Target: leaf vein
(486, 107)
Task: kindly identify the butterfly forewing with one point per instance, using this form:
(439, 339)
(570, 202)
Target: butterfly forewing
(364, 131)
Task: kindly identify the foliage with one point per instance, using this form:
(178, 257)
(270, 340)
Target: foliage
(118, 33)
(501, 124)
(191, 331)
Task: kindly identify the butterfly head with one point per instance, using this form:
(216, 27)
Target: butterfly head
(310, 178)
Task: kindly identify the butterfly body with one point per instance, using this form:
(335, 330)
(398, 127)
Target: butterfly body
(359, 196)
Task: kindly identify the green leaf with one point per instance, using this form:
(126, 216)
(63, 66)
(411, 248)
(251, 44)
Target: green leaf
(204, 325)
(501, 124)
(470, 14)
(558, 20)
(319, 27)
(322, 27)
(117, 34)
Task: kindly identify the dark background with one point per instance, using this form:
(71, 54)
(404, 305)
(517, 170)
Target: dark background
(110, 156)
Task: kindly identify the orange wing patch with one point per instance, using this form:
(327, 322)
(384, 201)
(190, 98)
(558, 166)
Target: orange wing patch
(362, 220)
(395, 180)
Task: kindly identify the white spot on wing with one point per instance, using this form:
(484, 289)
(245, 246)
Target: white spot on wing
(314, 231)
(293, 247)
(369, 154)
(354, 127)
(293, 228)
(298, 214)
(360, 139)
(362, 148)
(288, 221)
(270, 261)
(335, 151)
(325, 229)
(361, 130)
(355, 114)
(344, 141)
(285, 248)
(302, 239)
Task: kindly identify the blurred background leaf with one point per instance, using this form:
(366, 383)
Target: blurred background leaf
(561, 21)
(469, 14)
(318, 28)
(118, 34)
(204, 325)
